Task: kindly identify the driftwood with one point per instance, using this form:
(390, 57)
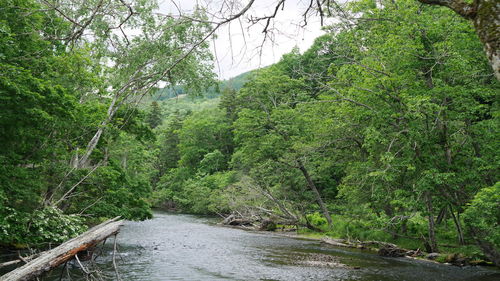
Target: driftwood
(64, 252)
(383, 248)
(20, 260)
(237, 221)
(338, 242)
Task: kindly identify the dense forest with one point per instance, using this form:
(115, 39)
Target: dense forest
(386, 128)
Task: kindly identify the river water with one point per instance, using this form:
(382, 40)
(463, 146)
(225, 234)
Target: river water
(184, 247)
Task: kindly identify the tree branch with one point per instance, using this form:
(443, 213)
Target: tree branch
(460, 7)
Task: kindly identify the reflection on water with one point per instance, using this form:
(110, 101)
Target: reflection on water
(183, 247)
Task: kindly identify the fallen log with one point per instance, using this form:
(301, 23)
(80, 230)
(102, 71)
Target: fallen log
(64, 252)
(383, 248)
(338, 242)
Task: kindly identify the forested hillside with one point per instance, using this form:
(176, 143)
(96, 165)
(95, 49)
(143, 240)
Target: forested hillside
(385, 129)
(214, 91)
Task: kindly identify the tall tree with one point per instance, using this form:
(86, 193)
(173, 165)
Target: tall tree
(154, 118)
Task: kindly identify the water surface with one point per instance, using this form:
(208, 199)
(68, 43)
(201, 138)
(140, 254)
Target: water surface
(183, 247)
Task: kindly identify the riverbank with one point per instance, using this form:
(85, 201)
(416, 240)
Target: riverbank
(393, 250)
(468, 255)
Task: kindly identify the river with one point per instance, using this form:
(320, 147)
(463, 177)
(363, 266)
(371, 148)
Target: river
(184, 247)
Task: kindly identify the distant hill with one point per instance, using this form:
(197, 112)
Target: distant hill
(235, 83)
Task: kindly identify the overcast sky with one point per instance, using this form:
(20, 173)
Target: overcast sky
(237, 46)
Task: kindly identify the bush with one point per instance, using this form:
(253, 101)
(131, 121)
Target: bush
(317, 220)
(48, 225)
(483, 215)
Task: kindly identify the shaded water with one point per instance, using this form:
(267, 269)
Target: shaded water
(183, 247)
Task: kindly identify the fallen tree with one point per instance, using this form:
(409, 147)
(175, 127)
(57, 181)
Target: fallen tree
(64, 252)
(383, 248)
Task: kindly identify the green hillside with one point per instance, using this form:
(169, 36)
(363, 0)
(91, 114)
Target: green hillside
(235, 83)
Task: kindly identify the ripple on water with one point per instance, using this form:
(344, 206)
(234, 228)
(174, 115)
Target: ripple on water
(183, 247)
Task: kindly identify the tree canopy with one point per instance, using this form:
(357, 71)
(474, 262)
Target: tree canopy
(385, 129)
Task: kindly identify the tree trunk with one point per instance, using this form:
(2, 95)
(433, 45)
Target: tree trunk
(312, 186)
(441, 216)
(432, 232)
(113, 107)
(487, 24)
(460, 233)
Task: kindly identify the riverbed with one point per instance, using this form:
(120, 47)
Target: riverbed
(184, 247)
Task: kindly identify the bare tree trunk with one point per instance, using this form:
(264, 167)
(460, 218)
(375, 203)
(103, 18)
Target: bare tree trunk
(113, 107)
(312, 186)
(74, 160)
(432, 225)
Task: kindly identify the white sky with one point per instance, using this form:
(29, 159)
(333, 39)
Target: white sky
(238, 50)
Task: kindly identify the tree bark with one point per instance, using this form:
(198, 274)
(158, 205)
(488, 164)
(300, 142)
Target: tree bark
(485, 15)
(312, 186)
(487, 24)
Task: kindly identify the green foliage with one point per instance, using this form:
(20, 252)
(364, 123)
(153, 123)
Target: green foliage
(204, 133)
(316, 220)
(212, 162)
(154, 118)
(390, 121)
(48, 225)
(51, 225)
(194, 155)
(483, 215)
